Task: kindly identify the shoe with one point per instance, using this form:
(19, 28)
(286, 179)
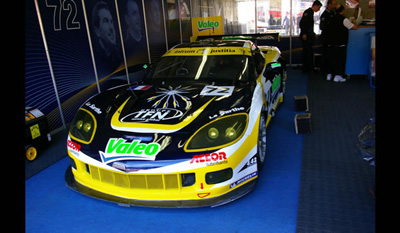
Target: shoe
(329, 77)
(339, 78)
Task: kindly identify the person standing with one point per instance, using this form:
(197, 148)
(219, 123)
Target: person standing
(340, 26)
(326, 37)
(307, 35)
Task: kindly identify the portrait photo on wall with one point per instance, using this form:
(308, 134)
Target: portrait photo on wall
(103, 25)
(155, 28)
(133, 31)
(184, 8)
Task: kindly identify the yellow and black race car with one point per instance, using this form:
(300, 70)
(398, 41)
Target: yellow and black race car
(192, 133)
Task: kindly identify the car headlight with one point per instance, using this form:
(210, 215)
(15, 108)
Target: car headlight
(83, 126)
(218, 133)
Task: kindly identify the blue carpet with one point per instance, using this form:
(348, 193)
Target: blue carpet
(335, 182)
(271, 207)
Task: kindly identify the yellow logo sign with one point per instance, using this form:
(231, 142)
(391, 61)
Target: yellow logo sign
(35, 131)
(202, 26)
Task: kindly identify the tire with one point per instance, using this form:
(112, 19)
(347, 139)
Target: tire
(261, 142)
(30, 153)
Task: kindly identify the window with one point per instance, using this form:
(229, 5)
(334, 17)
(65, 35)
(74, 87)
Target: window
(259, 60)
(210, 68)
(257, 16)
(298, 7)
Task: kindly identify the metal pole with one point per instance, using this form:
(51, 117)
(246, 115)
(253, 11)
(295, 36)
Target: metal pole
(255, 16)
(90, 46)
(191, 16)
(49, 62)
(122, 41)
(180, 20)
(145, 29)
(290, 34)
(165, 26)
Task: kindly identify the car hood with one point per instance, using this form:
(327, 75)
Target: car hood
(160, 118)
(167, 109)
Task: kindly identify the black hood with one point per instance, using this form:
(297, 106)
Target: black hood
(165, 114)
(166, 104)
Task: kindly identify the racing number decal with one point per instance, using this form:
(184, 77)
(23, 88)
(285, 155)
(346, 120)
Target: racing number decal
(217, 90)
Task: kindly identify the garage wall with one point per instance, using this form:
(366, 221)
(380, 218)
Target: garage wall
(75, 49)
(70, 59)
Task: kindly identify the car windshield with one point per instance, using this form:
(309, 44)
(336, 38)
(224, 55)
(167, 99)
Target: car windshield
(204, 68)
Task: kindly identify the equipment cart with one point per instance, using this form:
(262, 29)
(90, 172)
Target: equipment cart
(37, 134)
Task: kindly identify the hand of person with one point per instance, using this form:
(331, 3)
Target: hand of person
(304, 37)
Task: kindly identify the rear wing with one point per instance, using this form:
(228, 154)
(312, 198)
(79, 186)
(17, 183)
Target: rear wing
(264, 37)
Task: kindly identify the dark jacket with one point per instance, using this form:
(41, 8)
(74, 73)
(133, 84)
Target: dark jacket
(325, 26)
(340, 34)
(307, 24)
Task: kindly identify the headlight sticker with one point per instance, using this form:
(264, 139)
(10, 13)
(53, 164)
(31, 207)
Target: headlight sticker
(118, 149)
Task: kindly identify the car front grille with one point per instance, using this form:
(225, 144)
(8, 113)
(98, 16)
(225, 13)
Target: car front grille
(136, 181)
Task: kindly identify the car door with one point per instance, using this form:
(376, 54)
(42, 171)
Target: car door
(272, 81)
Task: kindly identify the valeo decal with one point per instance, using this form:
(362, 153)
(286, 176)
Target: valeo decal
(119, 149)
(206, 25)
(212, 25)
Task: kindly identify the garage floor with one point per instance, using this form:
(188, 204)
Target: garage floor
(283, 200)
(335, 183)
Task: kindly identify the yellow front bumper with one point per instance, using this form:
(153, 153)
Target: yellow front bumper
(157, 190)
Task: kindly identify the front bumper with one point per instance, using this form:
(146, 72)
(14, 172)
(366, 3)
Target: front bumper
(212, 202)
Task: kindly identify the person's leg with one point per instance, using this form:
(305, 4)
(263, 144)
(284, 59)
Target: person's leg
(307, 56)
(343, 55)
(340, 61)
(329, 62)
(325, 57)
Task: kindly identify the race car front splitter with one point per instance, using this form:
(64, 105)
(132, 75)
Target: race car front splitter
(211, 202)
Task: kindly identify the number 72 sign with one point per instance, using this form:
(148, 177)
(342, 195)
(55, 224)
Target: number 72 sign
(217, 90)
(64, 9)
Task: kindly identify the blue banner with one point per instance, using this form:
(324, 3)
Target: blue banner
(66, 36)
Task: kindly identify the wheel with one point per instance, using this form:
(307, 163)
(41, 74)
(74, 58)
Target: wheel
(262, 142)
(30, 153)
